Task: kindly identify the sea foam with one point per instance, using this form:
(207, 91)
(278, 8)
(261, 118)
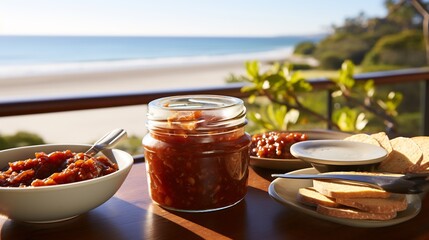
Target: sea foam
(36, 70)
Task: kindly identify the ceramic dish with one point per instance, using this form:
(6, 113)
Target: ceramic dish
(285, 191)
(337, 155)
(338, 152)
(64, 201)
(293, 163)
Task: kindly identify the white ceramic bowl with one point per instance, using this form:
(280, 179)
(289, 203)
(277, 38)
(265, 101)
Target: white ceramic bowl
(339, 155)
(59, 202)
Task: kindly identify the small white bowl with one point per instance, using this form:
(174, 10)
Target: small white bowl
(59, 202)
(339, 155)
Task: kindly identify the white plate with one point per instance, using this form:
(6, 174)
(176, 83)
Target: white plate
(285, 190)
(293, 163)
(338, 152)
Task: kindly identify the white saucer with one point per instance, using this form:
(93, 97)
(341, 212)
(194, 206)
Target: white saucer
(338, 152)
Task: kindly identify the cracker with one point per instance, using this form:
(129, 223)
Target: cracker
(423, 143)
(362, 137)
(405, 157)
(384, 141)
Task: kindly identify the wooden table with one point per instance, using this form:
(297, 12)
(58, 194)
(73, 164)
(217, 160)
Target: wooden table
(131, 215)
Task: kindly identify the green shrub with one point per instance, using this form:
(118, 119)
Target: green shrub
(330, 61)
(341, 47)
(305, 48)
(20, 139)
(131, 145)
(301, 66)
(405, 49)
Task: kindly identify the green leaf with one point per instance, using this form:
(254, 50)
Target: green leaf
(346, 81)
(361, 122)
(303, 86)
(295, 77)
(280, 116)
(391, 103)
(349, 119)
(258, 119)
(346, 74)
(249, 88)
(271, 113)
(252, 68)
(251, 99)
(369, 88)
(273, 117)
(348, 68)
(395, 98)
(274, 82)
(343, 122)
(292, 116)
(337, 94)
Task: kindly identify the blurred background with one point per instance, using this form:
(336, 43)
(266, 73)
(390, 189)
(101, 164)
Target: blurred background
(51, 49)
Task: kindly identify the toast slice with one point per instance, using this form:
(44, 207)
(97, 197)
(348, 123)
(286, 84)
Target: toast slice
(341, 189)
(362, 137)
(405, 157)
(384, 141)
(394, 203)
(423, 143)
(312, 197)
(344, 212)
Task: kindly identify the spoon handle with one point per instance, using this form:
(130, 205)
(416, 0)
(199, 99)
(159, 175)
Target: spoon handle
(395, 184)
(377, 180)
(107, 141)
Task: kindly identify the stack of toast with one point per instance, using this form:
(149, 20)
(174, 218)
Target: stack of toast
(357, 201)
(352, 201)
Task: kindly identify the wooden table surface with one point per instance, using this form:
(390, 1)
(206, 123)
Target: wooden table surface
(130, 214)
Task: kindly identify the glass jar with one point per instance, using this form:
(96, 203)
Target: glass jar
(197, 152)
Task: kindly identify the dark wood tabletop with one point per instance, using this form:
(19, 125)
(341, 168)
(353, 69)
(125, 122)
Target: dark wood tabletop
(130, 214)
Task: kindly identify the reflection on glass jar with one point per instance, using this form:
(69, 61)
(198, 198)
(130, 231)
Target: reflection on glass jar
(197, 152)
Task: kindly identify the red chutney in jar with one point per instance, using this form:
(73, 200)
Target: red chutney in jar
(194, 167)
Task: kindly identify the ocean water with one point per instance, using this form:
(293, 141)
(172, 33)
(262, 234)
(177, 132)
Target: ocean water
(29, 55)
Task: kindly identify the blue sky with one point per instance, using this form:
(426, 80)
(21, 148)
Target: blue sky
(179, 17)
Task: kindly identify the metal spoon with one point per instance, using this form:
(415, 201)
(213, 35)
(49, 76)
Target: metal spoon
(107, 141)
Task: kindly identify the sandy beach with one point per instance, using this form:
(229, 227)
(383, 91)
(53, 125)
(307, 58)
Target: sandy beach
(87, 125)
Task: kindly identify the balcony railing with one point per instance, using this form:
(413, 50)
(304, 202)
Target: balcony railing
(15, 107)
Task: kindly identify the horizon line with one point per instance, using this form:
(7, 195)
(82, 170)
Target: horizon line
(160, 35)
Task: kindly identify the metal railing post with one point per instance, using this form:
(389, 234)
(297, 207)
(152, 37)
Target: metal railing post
(330, 106)
(424, 105)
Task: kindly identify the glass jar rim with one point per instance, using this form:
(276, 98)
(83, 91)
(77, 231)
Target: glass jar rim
(194, 102)
(220, 112)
